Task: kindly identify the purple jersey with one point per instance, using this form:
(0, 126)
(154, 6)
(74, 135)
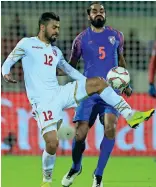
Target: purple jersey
(99, 50)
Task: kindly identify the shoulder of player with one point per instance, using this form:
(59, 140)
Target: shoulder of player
(23, 43)
(23, 40)
(114, 31)
(26, 40)
(81, 34)
(27, 43)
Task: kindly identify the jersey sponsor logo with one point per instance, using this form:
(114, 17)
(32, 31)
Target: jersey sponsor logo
(112, 39)
(37, 47)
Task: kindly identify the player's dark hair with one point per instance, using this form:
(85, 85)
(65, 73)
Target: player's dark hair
(93, 3)
(47, 16)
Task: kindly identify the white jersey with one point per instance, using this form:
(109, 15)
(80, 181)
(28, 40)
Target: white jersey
(39, 61)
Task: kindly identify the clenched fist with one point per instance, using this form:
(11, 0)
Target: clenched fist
(8, 78)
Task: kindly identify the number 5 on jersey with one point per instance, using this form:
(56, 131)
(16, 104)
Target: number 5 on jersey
(102, 53)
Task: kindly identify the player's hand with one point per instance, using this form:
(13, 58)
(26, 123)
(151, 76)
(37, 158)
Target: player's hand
(128, 91)
(152, 90)
(8, 78)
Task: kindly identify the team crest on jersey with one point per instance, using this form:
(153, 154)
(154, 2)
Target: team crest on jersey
(54, 52)
(112, 39)
(90, 42)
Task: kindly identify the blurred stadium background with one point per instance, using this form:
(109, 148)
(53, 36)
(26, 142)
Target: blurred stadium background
(20, 135)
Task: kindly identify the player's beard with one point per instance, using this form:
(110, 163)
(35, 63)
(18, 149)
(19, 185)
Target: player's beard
(49, 38)
(98, 22)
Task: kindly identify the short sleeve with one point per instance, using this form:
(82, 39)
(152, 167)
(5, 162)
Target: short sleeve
(121, 42)
(76, 48)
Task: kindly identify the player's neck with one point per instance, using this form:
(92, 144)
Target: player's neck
(42, 38)
(94, 29)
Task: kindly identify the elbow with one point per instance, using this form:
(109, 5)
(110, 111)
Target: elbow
(73, 64)
(3, 70)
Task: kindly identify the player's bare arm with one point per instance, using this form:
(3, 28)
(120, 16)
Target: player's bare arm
(74, 62)
(122, 63)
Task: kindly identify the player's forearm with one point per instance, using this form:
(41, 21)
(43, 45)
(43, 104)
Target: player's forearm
(60, 72)
(7, 66)
(72, 72)
(152, 69)
(76, 75)
(73, 62)
(122, 62)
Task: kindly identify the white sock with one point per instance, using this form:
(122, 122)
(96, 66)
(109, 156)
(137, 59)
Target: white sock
(48, 162)
(118, 102)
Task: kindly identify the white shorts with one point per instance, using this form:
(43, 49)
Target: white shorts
(48, 114)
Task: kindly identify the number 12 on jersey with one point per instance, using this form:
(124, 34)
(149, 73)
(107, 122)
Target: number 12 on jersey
(48, 60)
(48, 115)
(102, 53)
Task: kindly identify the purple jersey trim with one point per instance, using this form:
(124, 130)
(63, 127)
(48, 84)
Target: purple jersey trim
(76, 47)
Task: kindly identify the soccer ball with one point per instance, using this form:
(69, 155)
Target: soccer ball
(118, 78)
(66, 133)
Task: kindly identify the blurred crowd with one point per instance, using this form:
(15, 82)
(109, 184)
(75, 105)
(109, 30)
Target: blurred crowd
(137, 54)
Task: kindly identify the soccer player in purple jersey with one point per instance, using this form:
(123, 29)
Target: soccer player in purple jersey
(101, 48)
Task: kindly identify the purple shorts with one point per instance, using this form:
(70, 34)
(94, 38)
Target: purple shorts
(91, 107)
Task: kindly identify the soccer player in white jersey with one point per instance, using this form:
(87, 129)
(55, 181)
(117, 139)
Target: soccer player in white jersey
(40, 58)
